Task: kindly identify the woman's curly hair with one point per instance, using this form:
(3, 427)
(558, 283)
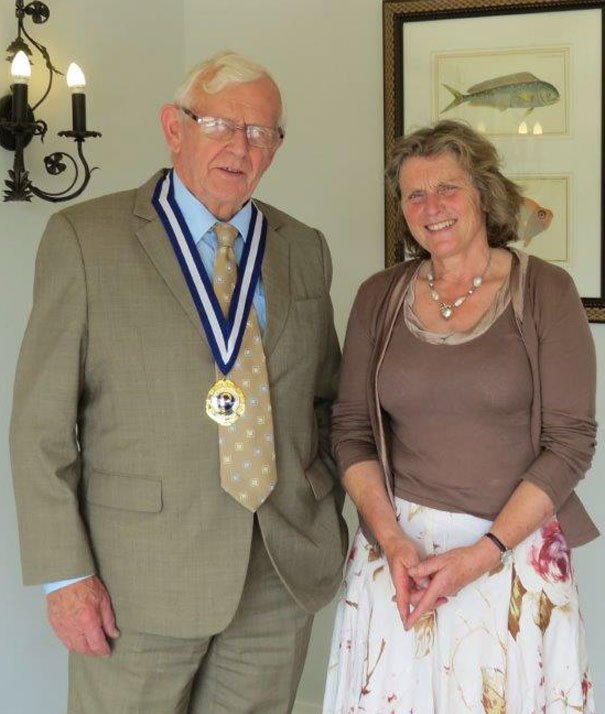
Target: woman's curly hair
(500, 197)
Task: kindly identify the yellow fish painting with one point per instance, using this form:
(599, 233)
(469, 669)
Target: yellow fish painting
(533, 219)
(521, 90)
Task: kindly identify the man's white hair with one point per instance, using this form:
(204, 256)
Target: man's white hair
(219, 71)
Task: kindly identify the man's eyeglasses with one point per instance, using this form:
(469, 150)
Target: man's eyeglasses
(263, 137)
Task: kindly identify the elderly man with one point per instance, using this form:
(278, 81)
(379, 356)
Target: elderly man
(168, 436)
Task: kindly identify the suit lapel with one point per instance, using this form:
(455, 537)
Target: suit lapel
(275, 269)
(156, 244)
(276, 281)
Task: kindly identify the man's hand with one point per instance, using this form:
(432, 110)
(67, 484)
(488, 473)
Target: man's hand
(82, 617)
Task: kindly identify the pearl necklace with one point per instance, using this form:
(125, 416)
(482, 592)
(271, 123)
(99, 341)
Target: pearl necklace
(447, 308)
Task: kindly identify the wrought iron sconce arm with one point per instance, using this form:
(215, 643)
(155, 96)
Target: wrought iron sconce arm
(18, 124)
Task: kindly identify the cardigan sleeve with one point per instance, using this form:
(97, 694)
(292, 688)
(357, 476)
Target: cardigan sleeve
(567, 373)
(351, 429)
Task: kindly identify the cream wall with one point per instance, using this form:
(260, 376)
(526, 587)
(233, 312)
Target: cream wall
(327, 55)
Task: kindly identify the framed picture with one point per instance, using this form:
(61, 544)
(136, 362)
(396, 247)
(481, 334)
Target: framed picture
(543, 231)
(461, 90)
(529, 76)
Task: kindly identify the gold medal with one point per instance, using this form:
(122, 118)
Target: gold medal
(225, 402)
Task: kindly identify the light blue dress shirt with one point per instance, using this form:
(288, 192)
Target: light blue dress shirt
(200, 222)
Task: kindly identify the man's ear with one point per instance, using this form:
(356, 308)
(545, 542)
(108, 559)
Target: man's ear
(170, 116)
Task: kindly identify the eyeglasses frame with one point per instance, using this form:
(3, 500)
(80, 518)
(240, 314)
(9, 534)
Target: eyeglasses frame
(200, 120)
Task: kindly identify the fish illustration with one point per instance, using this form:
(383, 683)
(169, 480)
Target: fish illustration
(533, 219)
(521, 90)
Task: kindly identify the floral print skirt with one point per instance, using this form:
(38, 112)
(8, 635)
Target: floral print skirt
(511, 642)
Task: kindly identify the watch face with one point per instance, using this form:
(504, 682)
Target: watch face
(506, 557)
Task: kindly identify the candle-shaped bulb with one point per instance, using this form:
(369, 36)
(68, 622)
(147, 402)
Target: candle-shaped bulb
(21, 69)
(75, 78)
(76, 84)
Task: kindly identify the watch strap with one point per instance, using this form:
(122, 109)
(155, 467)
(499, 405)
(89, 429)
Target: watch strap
(497, 542)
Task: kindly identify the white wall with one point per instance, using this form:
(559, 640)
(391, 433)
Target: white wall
(327, 56)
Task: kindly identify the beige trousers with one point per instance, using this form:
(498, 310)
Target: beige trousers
(252, 667)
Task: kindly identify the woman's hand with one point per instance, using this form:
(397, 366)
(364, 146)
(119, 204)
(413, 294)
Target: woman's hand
(402, 555)
(448, 573)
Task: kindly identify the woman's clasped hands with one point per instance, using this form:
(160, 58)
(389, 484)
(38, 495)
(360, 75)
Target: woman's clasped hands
(422, 585)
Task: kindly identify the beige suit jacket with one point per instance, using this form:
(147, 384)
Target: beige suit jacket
(115, 464)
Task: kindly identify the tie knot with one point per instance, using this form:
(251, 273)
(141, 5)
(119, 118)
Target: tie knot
(225, 234)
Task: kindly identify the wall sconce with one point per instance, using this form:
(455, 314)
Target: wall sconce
(18, 124)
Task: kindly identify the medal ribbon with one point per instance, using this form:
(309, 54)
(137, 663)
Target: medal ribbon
(224, 334)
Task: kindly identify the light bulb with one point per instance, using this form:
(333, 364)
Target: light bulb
(21, 69)
(75, 78)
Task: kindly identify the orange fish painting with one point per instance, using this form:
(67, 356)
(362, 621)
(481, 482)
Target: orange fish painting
(533, 219)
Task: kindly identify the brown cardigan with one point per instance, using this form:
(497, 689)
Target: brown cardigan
(553, 327)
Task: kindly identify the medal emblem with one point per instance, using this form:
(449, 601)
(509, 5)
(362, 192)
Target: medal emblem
(225, 402)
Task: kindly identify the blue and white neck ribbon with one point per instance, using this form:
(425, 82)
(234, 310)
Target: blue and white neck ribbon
(224, 335)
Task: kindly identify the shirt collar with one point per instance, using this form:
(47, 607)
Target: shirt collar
(199, 219)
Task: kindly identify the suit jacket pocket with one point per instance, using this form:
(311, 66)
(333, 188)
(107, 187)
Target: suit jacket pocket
(320, 479)
(128, 493)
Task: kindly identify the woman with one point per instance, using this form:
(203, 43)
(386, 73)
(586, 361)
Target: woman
(460, 438)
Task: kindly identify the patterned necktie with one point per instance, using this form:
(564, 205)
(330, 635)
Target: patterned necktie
(246, 448)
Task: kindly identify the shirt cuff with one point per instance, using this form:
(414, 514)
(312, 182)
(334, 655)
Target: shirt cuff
(51, 587)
